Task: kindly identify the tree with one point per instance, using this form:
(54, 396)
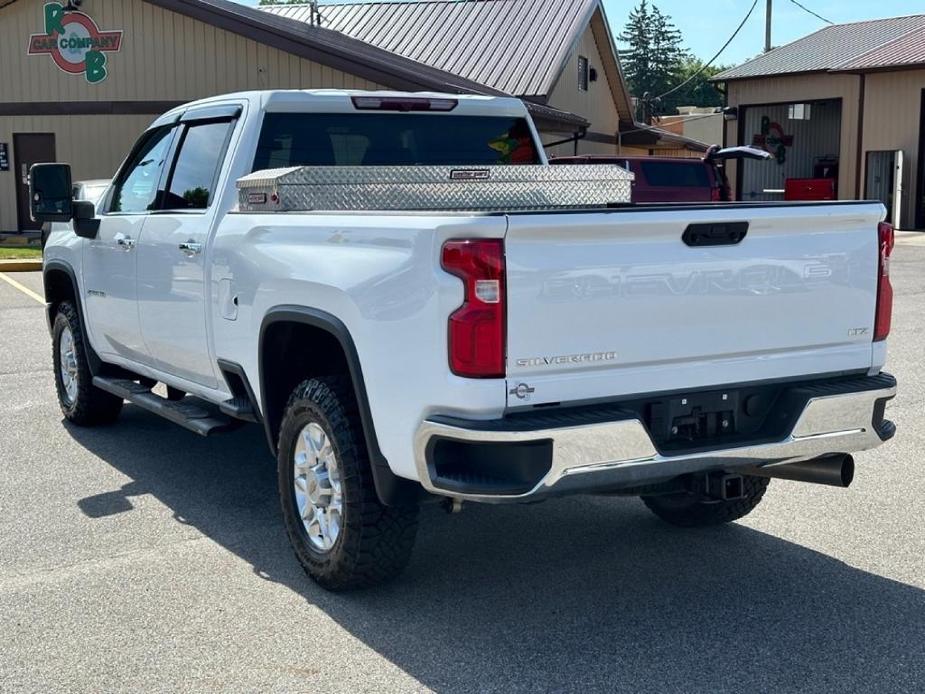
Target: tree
(654, 58)
(699, 91)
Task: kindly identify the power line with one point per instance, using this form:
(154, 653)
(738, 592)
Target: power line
(806, 9)
(712, 60)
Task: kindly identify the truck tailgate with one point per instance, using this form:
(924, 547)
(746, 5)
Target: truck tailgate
(613, 303)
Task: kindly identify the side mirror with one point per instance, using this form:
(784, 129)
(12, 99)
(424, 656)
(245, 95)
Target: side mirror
(50, 193)
(85, 223)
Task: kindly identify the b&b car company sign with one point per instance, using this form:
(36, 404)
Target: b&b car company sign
(75, 43)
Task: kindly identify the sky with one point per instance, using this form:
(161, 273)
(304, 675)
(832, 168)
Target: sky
(707, 24)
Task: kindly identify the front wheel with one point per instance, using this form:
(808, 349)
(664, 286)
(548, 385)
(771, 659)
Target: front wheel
(693, 511)
(342, 535)
(81, 402)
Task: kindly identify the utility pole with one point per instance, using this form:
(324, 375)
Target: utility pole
(767, 28)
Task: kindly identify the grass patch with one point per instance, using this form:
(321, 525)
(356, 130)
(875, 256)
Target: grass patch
(20, 253)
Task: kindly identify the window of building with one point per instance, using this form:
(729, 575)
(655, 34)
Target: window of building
(192, 183)
(136, 189)
(582, 74)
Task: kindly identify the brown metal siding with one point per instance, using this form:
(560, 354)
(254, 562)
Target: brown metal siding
(596, 104)
(164, 56)
(892, 115)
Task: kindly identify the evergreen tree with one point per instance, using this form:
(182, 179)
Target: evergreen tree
(654, 57)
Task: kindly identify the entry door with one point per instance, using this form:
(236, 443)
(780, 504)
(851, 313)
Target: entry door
(898, 193)
(885, 182)
(29, 149)
(920, 190)
(172, 279)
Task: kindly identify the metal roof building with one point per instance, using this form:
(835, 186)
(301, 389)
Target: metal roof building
(830, 49)
(846, 105)
(558, 53)
(517, 46)
(80, 84)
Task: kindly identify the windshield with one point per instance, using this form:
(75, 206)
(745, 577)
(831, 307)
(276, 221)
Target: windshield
(384, 139)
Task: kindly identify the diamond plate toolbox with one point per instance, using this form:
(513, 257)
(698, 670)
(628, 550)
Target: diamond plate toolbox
(434, 188)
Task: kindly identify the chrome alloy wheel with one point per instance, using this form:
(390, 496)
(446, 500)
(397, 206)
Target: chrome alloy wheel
(317, 485)
(67, 359)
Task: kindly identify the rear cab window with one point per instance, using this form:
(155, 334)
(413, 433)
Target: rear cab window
(393, 139)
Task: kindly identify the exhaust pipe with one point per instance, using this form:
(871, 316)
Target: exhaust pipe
(832, 470)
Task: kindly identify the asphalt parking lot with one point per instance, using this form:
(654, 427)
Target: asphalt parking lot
(143, 558)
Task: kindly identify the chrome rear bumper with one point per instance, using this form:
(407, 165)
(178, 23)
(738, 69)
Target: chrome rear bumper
(621, 453)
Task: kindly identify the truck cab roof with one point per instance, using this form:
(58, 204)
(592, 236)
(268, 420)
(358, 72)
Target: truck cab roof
(342, 100)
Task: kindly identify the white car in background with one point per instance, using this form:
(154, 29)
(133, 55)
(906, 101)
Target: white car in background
(91, 191)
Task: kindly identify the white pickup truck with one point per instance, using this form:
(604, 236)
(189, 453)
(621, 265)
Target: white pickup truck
(396, 354)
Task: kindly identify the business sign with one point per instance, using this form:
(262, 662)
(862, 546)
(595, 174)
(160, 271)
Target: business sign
(75, 43)
(4, 156)
(773, 139)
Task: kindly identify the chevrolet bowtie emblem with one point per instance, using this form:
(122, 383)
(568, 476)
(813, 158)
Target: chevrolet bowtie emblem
(523, 391)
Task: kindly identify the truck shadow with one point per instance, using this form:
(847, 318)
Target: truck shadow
(587, 594)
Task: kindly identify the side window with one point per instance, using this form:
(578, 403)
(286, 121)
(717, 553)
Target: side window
(136, 189)
(582, 74)
(192, 182)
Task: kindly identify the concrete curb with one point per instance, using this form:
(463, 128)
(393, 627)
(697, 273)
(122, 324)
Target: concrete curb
(20, 265)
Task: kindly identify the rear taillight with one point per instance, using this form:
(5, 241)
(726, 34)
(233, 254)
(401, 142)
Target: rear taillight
(716, 194)
(884, 318)
(476, 330)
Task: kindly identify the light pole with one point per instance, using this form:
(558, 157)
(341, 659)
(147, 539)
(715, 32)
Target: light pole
(767, 27)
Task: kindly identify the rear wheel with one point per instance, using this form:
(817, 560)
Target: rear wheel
(688, 510)
(342, 535)
(81, 402)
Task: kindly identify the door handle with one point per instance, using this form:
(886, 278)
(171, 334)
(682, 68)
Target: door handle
(126, 243)
(724, 234)
(191, 248)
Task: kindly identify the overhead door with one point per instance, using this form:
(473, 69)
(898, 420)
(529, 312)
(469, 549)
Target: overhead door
(804, 139)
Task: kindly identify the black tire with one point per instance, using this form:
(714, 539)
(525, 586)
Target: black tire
(692, 511)
(89, 406)
(375, 541)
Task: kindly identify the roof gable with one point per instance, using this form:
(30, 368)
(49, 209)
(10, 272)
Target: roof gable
(828, 49)
(517, 46)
